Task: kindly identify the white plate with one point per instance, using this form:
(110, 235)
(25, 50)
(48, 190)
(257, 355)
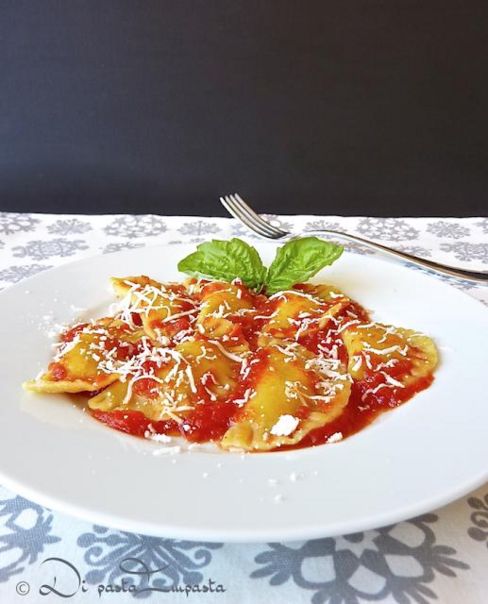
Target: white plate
(429, 451)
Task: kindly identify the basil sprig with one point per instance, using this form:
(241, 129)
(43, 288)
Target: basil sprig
(295, 262)
(226, 260)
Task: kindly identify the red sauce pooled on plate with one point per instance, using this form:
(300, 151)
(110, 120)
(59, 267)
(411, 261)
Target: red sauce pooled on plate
(133, 422)
(210, 419)
(358, 414)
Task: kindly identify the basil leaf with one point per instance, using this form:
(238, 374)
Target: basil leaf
(298, 260)
(226, 260)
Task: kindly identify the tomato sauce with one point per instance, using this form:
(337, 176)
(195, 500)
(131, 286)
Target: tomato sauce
(360, 413)
(57, 371)
(124, 350)
(70, 334)
(146, 387)
(171, 328)
(134, 422)
(210, 418)
(209, 421)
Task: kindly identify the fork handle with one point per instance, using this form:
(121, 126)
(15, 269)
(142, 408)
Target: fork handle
(476, 276)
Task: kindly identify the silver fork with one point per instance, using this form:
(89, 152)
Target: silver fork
(238, 208)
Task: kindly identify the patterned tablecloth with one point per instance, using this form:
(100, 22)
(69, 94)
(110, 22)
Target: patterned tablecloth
(441, 556)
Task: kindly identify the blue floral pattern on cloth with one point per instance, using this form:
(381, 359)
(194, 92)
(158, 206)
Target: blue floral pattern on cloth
(394, 562)
(12, 223)
(69, 226)
(479, 518)
(136, 226)
(16, 273)
(390, 229)
(41, 250)
(110, 552)
(27, 531)
(439, 557)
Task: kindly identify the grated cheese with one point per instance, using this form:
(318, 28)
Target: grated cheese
(285, 425)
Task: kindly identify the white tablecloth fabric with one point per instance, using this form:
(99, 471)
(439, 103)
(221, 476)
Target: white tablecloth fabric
(439, 557)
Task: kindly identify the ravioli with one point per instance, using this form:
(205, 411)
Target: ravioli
(214, 361)
(177, 381)
(85, 358)
(291, 385)
(292, 309)
(164, 310)
(220, 303)
(391, 351)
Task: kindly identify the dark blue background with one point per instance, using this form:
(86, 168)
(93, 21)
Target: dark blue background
(354, 107)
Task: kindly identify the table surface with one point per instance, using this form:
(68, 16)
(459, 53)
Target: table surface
(441, 556)
(334, 108)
